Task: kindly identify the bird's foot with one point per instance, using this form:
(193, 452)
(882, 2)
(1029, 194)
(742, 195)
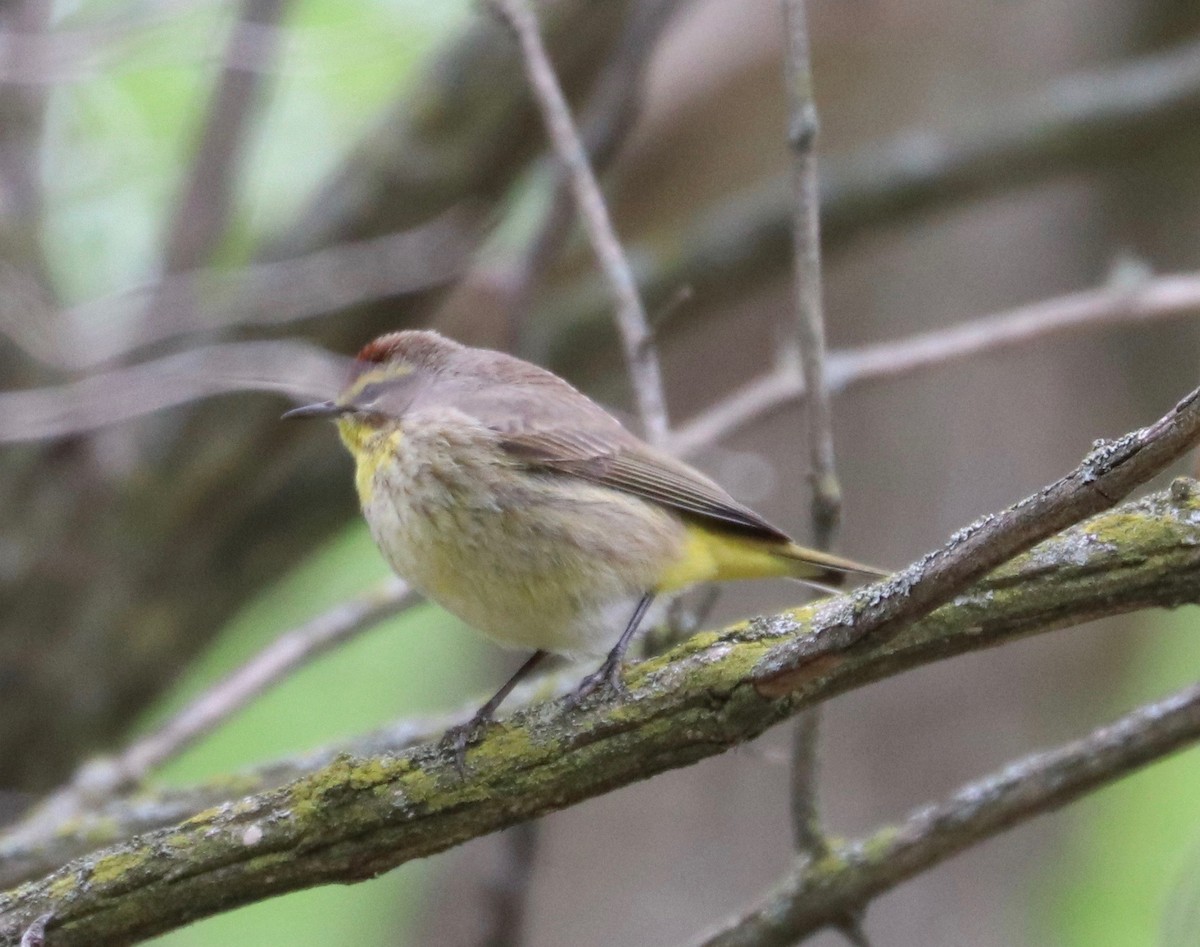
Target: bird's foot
(458, 737)
(606, 677)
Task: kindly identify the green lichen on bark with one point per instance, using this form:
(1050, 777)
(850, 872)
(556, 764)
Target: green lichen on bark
(354, 817)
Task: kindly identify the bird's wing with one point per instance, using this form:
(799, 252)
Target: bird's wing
(549, 425)
(607, 454)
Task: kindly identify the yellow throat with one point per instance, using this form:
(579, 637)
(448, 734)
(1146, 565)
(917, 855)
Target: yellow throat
(371, 447)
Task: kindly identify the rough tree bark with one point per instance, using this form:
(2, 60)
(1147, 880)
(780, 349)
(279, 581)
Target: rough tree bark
(355, 817)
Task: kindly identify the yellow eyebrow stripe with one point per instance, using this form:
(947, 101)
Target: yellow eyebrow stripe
(382, 373)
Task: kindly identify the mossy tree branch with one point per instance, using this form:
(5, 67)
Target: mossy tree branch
(1107, 475)
(355, 817)
(817, 893)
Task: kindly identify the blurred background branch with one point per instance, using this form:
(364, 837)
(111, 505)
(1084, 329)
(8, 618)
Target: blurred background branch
(1081, 121)
(817, 894)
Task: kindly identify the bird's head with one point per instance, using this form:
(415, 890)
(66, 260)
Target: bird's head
(387, 374)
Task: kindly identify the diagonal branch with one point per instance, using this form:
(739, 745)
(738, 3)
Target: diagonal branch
(631, 318)
(100, 779)
(1157, 298)
(816, 894)
(1106, 476)
(358, 816)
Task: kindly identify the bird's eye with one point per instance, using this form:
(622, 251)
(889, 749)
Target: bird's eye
(369, 398)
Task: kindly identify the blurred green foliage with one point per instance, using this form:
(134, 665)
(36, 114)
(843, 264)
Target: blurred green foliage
(119, 136)
(1128, 871)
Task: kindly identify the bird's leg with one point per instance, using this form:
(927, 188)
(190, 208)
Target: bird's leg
(609, 673)
(461, 735)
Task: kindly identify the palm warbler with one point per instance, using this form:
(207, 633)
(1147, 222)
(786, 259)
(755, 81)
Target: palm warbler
(518, 504)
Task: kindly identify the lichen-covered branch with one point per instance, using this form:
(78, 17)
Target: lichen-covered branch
(355, 817)
(816, 894)
(102, 778)
(1108, 474)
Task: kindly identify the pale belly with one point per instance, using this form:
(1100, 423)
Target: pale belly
(543, 561)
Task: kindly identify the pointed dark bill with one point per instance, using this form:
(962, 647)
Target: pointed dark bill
(322, 409)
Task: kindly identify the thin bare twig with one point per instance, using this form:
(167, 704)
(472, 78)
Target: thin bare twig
(813, 896)
(610, 114)
(640, 356)
(1157, 298)
(810, 321)
(1119, 303)
(808, 835)
(879, 612)
(100, 779)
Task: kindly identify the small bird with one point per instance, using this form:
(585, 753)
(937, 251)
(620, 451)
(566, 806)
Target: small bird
(517, 503)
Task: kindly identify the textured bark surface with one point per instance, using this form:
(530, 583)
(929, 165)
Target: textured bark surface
(355, 817)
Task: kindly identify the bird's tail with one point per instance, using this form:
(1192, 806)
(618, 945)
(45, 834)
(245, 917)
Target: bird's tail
(719, 556)
(822, 568)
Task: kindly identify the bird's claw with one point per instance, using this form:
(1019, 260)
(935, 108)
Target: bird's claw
(606, 677)
(458, 737)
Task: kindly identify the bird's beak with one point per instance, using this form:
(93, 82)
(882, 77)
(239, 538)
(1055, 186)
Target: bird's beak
(322, 409)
